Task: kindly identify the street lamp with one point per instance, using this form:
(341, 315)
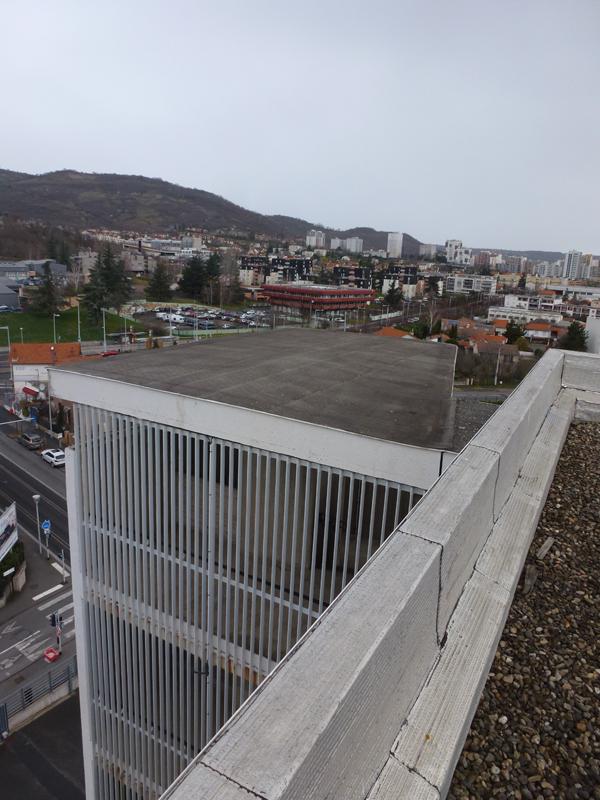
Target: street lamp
(104, 326)
(78, 323)
(54, 316)
(21, 329)
(36, 500)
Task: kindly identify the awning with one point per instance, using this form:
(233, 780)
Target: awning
(30, 390)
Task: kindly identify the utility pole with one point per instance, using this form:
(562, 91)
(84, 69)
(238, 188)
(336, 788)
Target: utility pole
(36, 500)
(78, 322)
(62, 561)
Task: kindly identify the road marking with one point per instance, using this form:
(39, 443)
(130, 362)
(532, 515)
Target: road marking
(55, 600)
(59, 569)
(16, 644)
(60, 610)
(32, 655)
(47, 592)
(10, 628)
(69, 635)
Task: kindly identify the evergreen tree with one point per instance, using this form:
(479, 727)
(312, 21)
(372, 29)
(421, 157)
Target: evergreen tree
(52, 247)
(213, 270)
(575, 338)
(47, 297)
(236, 293)
(393, 297)
(159, 287)
(108, 286)
(193, 278)
(64, 254)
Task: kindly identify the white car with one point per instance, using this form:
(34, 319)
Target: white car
(54, 457)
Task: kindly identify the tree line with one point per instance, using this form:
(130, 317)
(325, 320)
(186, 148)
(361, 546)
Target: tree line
(109, 285)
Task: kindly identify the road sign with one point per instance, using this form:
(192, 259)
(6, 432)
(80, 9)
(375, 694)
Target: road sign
(46, 525)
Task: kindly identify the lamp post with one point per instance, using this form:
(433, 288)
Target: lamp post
(78, 323)
(21, 329)
(54, 316)
(36, 500)
(104, 326)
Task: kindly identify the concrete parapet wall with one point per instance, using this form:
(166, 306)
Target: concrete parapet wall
(582, 371)
(377, 698)
(457, 514)
(511, 430)
(346, 687)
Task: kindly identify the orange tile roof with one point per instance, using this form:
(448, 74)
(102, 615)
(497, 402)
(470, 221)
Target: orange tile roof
(500, 323)
(538, 326)
(44, 353)
(391, 332)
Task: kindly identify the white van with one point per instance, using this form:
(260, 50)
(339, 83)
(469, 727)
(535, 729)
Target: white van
(179, 319)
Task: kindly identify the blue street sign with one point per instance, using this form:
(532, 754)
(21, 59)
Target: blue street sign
(46, 525)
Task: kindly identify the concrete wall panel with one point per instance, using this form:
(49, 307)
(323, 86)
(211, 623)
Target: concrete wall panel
(582, 371)
(512, 429)
(457, 513)
(431, 741)
(396, 782)
(322, 724)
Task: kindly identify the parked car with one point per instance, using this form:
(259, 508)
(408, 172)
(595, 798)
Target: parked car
(55, 458)
(31, 440)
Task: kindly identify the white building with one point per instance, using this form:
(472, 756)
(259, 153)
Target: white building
(466, 284)
(572, 265)
(336, 242)
(353, 245)
(315, 239)
(394, 245)
(209, 527)
(457, 254)
(522, 315)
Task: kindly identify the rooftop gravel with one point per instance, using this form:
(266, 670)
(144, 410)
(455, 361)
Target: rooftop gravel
(536, 733)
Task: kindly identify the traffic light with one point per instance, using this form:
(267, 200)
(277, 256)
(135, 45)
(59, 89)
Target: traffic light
(53, 620)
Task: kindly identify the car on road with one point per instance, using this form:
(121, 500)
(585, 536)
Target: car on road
(31, 440)
(55, 458)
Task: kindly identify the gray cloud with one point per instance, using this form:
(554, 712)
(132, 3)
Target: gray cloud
(471, 118)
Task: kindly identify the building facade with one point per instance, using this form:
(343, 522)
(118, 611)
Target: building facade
(207, 537)
(466, 284)
(315, 239)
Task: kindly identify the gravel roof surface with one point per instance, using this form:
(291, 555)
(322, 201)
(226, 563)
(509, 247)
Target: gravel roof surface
(470, 414)
(536, 733)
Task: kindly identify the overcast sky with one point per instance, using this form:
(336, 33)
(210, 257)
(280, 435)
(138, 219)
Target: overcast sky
(471, 119)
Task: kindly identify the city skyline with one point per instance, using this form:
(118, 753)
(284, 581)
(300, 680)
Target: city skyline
(407, 118)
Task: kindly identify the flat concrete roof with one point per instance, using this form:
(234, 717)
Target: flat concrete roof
(391, 389)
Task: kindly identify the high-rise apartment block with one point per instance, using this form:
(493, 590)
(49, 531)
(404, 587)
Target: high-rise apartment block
(572, 265)
(315, 239)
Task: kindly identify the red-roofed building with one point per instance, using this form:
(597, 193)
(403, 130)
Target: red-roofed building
(394, 332)
(312, 297)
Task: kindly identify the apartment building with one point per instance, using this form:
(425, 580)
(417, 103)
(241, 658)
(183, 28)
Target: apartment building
(467, 284)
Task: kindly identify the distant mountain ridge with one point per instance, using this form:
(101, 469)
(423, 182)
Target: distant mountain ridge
(81, 200)
(132, 202)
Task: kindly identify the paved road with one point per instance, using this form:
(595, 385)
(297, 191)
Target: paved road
(25, 629)
(44, 761)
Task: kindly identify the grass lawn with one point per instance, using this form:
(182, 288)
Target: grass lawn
(39, 328)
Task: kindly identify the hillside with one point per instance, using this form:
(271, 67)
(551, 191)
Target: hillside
(81, 200)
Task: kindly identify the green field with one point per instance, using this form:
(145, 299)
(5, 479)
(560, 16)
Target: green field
(30, 327)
